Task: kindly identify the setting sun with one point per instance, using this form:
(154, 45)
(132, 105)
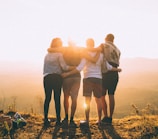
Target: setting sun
(28, 67)
(85, 105)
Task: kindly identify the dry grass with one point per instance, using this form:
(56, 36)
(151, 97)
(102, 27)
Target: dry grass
(131, 127)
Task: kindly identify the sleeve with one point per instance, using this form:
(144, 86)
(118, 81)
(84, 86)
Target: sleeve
(81, 65)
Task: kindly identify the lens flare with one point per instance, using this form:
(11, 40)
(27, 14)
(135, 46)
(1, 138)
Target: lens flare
(84, 105)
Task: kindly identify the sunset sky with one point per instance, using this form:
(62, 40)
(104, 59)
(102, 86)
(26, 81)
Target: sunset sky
(27, 26)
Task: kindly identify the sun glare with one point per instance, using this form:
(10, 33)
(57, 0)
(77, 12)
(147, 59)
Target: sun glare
(84, 105)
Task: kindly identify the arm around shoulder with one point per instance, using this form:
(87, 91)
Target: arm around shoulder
(90, 58)
(51, 50)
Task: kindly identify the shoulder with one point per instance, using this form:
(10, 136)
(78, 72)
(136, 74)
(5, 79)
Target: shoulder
(55, 54)
(107, 45)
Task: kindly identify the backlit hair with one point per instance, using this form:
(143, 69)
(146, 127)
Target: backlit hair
(56, 42)
(89, 42)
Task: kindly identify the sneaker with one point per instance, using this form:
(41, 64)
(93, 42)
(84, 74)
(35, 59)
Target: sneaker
(65, 122)
(109, 120)
(58, 124)
(72, 124)
(84, 124)
(46, 122)
(106, 120)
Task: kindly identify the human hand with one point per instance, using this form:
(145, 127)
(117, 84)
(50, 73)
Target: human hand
(64, 75)
(119, 69)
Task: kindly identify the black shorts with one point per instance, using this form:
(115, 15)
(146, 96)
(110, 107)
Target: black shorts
(109, 82)
(53, 82)
(92, 85)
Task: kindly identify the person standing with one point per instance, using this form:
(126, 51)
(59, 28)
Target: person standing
(109, 78)
(92, 80)
(52, 80)
(71, 83)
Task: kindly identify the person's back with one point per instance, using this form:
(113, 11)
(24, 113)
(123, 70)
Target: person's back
(52, 80)
(71, 56)
(93, 69)
(111, 52)
(51, 63)
(92, 81)
(71, 83)
(109, 78)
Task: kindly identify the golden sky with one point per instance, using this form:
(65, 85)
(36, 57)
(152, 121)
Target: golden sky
(27, 26)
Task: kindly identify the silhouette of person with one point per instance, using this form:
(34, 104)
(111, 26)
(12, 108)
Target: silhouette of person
(71, 82)
(109, 78)
(111, 54)
(92, 80)
(52, 80)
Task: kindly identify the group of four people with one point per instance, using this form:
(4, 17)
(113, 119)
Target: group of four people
(62, 67)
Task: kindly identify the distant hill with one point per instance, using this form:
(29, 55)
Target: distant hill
(137, 65)
(132, 65)
(23, 82)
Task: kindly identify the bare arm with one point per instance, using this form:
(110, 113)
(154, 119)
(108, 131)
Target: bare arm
(75, 70)
(71, 68)
(63, 64)
(97, 49)
(91, 58)
(111, 68)
(66, 74)
(116, 69)
(60, 50)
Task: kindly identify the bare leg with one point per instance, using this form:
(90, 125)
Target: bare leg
(111, 104)
(87, 110)
(104, 106)
(74, 89)
(99, 108)
(73, 106)
(66, 104)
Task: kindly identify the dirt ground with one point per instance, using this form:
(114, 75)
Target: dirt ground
(133, 127)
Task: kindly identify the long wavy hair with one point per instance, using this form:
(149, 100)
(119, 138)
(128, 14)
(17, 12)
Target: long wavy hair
(56, 42)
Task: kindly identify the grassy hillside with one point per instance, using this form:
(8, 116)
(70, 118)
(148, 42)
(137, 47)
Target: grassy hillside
(129, 127)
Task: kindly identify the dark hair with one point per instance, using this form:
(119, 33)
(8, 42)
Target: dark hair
(110, 37)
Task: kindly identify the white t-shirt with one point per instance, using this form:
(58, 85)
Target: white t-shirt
(91, 69)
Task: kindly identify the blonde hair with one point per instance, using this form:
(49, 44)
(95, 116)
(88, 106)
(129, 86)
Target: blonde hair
(90, 42)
